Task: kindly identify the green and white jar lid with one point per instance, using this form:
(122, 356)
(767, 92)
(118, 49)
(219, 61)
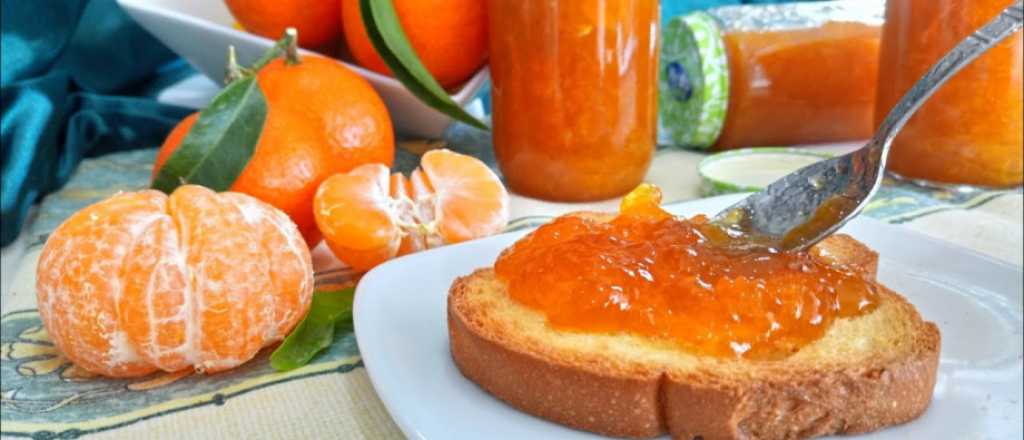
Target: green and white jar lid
(751, 169)
(693, 85)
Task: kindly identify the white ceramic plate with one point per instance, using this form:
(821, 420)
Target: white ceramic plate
(401, 327)
(201, 30)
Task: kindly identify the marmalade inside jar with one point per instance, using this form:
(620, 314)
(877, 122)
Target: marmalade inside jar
(801, 86)
(971, 130)
(574, 95)
(648, 273)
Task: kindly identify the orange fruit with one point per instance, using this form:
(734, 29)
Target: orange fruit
(368, 216)
(322, 119)
(352, 117)
(449, 36)
(315, 20)
(143, 281)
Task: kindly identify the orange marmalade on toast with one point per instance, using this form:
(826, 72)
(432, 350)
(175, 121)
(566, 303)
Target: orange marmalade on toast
(649, 273)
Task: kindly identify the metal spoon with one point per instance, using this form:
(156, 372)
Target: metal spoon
(804, 207)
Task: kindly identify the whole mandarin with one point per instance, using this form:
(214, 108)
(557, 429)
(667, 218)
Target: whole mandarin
(322, 119)
(351, 115)
(315, 20)
(449, 36)
(288, 164)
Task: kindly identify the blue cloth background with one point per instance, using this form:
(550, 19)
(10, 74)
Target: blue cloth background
(77, 80)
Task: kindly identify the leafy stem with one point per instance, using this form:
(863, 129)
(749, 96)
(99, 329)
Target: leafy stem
(287, 46)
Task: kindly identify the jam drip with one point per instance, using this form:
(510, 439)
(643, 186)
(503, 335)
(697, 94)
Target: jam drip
(648, 273)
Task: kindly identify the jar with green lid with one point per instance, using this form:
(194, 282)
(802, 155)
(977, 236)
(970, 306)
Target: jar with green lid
(788, 74)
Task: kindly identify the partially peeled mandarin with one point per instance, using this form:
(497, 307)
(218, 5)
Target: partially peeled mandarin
(369, 215)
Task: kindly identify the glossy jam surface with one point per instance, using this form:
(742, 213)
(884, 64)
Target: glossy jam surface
(791, 87)
(970, 131)
(648, 273)
(574, 95)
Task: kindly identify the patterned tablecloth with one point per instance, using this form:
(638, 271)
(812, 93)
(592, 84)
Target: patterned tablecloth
(45, 397)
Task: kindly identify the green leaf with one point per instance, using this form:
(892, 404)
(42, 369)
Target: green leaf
(316, 331)
(220, 144)
(387, 36)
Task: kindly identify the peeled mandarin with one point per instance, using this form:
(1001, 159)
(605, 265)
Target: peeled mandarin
(368, 216)
(143, 281)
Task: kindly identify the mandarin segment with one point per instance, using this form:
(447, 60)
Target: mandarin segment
(289, 274)
(421, 212)
(143, 281)
(228, 268)
(354, 214)
(156, 302)
(470, 202)
(402, 191)
(78, 282)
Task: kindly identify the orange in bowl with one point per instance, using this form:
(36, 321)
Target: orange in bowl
(316, 20)
(449, 36)
(368, 215)
(142, 282)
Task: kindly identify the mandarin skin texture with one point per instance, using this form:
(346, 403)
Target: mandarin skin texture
(322, 119)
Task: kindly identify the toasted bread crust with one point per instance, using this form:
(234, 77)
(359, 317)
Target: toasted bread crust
(610, 404)
(855, 400)
(646, 402)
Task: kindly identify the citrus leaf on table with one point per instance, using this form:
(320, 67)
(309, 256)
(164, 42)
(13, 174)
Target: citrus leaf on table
(220, 144)
(387, 36)
(330, 309)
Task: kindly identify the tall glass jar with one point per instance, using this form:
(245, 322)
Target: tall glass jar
(969, 132)
(574, 95)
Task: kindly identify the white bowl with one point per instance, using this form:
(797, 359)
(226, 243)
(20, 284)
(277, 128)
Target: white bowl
(201, 30)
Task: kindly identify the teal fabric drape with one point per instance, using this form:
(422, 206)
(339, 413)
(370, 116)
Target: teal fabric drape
(76, 80)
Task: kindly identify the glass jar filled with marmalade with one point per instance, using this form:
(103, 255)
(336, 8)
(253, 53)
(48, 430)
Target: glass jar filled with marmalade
(970, 131)
(769, 75)
(574, 95)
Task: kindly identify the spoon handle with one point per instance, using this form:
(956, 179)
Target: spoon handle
(995, 31)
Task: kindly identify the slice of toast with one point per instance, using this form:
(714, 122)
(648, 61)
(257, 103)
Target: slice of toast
(866, 373)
